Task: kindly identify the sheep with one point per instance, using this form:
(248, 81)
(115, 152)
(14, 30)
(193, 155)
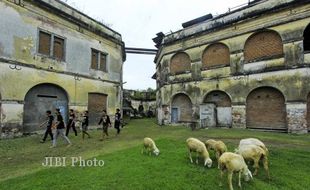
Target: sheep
(195, 145)
(253, 141)
(252, 152)
(218, 146)
(150, 146)
(231, 163)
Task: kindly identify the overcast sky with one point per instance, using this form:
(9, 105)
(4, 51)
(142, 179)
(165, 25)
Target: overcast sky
(138, 21)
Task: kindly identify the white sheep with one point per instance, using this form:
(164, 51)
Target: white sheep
(150, 146)
(195, 145)
(218, 146)
(252, 152)
(231, 163)
(253, 141)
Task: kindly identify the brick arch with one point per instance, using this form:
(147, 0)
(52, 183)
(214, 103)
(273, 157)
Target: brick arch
(180, 63)
(306, 41)
(263, 44)
(220, 98)
(182, 104)
(215, 55)
(308, 111)
(265, 108)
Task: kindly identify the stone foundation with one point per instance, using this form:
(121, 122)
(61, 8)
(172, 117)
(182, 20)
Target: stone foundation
(296, 113)
(238, 116)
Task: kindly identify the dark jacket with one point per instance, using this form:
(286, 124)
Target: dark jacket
(61, 123)
(50, 121)
(105, 120)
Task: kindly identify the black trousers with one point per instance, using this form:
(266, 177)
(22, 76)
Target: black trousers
(117, 127)
(48, 132)
(71, 124)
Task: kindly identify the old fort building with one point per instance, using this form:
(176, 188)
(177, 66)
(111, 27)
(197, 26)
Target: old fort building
(54, 56)
(247, 68)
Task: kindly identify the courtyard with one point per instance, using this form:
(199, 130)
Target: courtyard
(126, 168)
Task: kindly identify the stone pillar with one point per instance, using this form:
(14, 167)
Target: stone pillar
(296, 114)
(238, 113)
(12, 119)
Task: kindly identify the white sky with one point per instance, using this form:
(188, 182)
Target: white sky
(138, 21)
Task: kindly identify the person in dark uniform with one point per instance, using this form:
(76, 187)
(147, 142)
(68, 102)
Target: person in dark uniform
(117, 121)
(49, 123)
(85, 124)
(106, 123)
(71, 123)
(60, 129)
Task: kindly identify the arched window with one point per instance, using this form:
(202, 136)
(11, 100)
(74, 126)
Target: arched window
(262, 45)
(180, 63)
(307, 39)
(215, 55)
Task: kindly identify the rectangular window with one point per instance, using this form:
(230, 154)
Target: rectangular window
(44, 43)
(98, 60)
(51, 45)
(59, 45)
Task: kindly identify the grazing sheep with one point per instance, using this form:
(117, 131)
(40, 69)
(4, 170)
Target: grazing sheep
(218, 146)
(231, 163)
(251, 152)
(150, 146)
(195, 145)
(254, 142)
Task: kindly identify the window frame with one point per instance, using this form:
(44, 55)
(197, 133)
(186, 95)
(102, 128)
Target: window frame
(52, 54)
(99, 57)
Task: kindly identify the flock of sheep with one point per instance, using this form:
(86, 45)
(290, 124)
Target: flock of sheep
(249, 149)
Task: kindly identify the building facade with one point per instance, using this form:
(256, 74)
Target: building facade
(53, 56)
(247, 68)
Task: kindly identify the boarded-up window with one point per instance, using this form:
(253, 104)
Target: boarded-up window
(44, 43)
(96, 103)
(98, 60)
(51, 45)
(59, 48)
(94, 59)
(180, 63)
(103, 62)
(216, 55)
(263, 45)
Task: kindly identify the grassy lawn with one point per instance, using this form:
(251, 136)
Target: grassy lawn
(126, 168)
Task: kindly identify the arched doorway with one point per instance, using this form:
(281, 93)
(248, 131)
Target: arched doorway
(181, 108)
(217, 108)
(38, 100)
(265, 109)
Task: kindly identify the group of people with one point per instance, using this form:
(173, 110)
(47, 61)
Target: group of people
(60, 126)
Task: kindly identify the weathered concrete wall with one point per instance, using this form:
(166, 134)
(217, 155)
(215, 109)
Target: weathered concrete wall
(19, 33)
(284, 67)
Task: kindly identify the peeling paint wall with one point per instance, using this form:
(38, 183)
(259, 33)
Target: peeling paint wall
(19, 33)
(288, 72)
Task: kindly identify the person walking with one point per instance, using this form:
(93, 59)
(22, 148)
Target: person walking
(117, 121)
(106, 123)
(71, 123)
(60, 127)
(85, 124)
(49, 123)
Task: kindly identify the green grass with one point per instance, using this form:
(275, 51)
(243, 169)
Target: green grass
(126, 168)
